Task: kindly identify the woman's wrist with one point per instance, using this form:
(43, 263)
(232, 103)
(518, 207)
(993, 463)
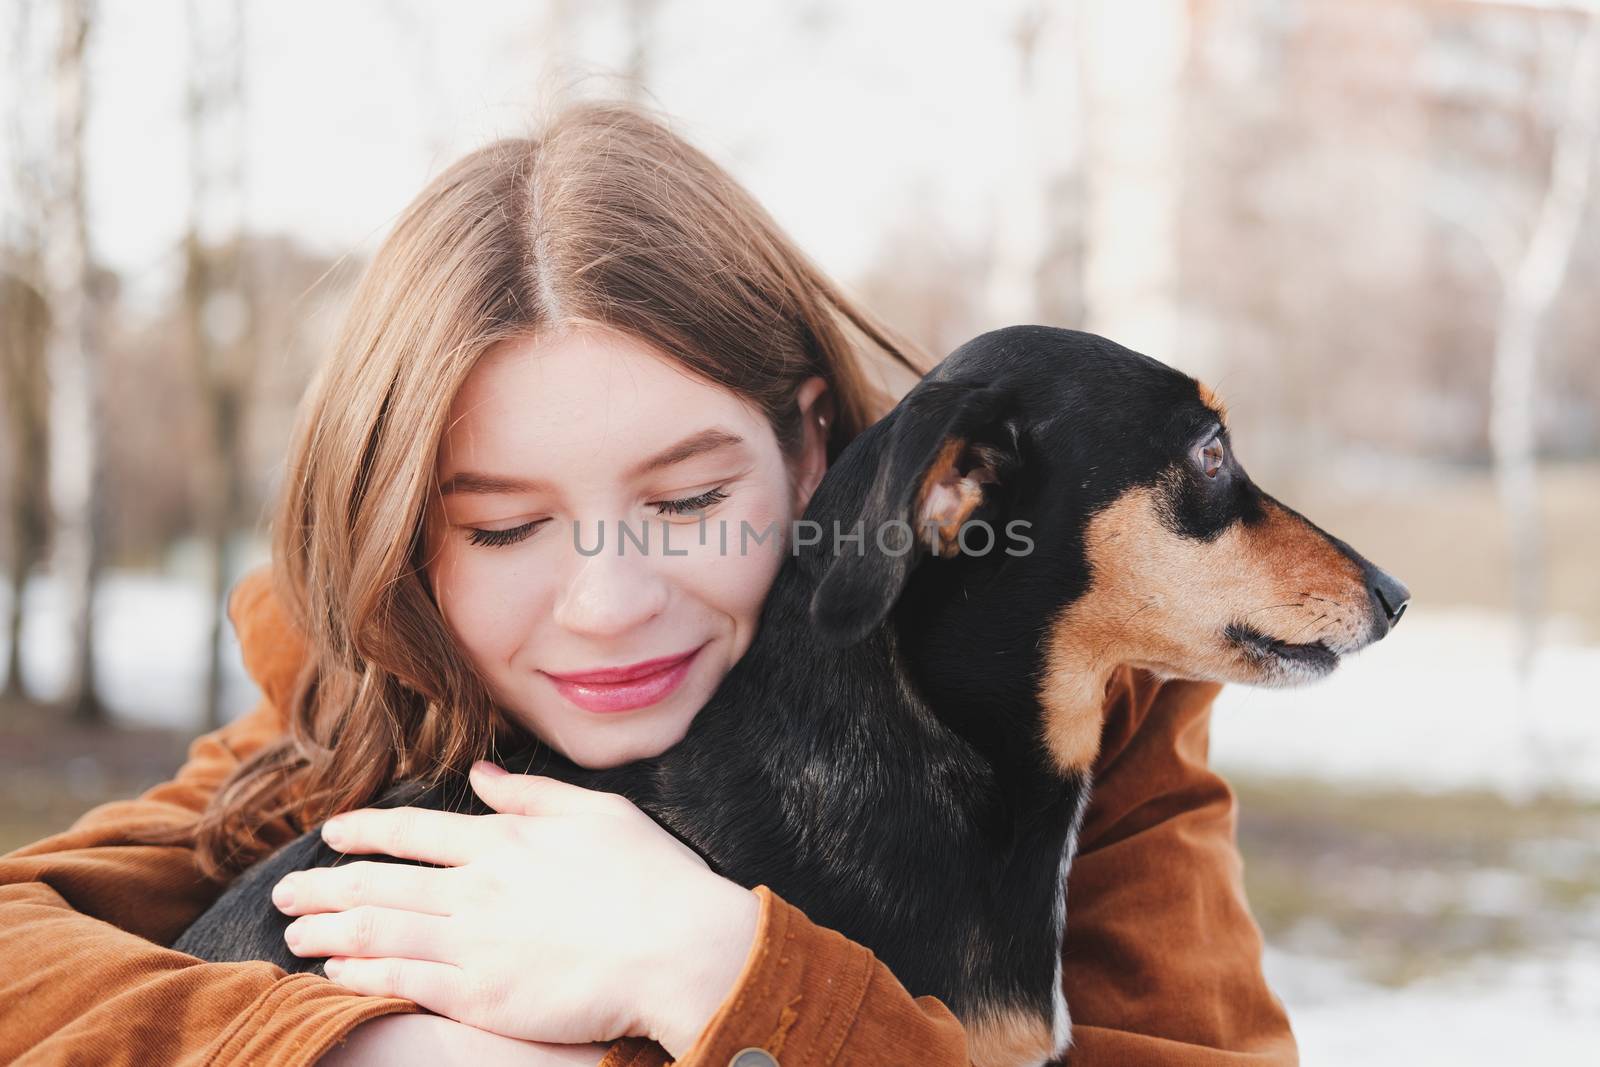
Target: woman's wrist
(703, 975)
(397, 1040)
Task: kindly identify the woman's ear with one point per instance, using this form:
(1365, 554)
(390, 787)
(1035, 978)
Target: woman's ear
(815, 401)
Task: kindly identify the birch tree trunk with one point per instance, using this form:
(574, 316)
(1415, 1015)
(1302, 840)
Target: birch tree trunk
(219, 311)
(74, 372)
(640, 16)
(1134, 54)
(25, 322)
(1533, 284)
(24, 337)
(1029, 218)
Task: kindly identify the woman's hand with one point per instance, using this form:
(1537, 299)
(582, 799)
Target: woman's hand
(569, 917)
(429, 1040)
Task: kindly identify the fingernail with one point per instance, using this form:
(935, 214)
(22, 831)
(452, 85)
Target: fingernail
(283, 893)
(291, 936)
(490, 770)
(333, 832)
(332, 966)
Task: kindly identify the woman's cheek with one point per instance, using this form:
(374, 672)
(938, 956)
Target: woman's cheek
(735, 580)
(486, 601)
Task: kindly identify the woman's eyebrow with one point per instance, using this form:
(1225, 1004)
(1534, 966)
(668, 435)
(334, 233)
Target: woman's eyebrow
(474, 482)
(695, 444)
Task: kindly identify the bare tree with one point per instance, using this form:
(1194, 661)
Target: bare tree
(1533, 279)
(24, 335)
(74, 370)
(1035, 272)
(640, 16)
(217, 299)
(1132, 54)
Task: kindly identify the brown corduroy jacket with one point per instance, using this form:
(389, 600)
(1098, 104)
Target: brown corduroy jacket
(1161, 960)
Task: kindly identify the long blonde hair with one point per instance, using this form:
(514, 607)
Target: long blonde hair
(605, 216)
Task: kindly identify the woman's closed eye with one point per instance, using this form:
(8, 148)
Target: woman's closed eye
(496, 538)
(690, 503)
(681, 506)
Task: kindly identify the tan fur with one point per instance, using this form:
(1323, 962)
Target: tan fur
(1210, 399)
(1008, 1038)
(1160, 601)
(948, 497)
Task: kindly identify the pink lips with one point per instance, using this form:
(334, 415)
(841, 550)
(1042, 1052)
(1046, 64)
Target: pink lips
(624, 688)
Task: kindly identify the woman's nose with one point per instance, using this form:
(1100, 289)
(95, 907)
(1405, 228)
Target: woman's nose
(608, 594)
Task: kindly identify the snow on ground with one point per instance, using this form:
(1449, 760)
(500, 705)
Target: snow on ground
(1544, 1012)
(150, 648)
(1436, 705)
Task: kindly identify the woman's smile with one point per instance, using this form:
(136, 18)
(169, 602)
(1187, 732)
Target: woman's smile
(616, 689)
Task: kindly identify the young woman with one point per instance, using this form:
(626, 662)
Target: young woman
(593, 324)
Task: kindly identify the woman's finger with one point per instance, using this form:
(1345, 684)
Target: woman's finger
(436, 986)
(386, 885)
(444, 837)
(369, 932)
(535, 794)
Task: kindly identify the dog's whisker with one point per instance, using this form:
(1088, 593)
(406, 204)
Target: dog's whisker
(1274, 607)
(1313, 622)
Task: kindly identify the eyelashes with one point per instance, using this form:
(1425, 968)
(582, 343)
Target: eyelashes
(692, 503)
(498, 538)
(495, 538)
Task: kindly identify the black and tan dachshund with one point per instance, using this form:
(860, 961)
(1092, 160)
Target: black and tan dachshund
(904, 752)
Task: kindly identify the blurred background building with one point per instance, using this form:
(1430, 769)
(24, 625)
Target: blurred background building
(1373, 225)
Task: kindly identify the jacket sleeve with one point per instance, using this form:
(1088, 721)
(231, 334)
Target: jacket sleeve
(1161, 960)
(85, 916)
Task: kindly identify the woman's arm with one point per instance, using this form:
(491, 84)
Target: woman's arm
(1161, 963)
(84, 916)
(810, 995)
(428, 1040)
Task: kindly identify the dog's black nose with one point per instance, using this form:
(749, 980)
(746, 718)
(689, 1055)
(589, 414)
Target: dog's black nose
(1390, 596)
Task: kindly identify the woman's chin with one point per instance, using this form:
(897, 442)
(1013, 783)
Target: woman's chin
(598, 746)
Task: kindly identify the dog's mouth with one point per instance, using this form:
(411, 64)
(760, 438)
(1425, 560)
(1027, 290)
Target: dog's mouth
(1315, 657)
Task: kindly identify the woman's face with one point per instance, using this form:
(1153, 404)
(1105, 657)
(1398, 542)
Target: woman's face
(571, 433)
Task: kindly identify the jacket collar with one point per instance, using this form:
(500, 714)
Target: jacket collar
(273, 648)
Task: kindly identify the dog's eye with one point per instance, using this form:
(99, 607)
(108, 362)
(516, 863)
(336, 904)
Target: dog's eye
(1209, 457)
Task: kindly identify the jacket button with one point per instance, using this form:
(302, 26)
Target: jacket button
(752, 1057)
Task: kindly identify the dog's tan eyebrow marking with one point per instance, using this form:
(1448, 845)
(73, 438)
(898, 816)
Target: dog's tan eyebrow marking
(1209, 397)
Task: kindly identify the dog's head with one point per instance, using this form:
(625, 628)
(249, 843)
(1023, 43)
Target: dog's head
(1076, 506)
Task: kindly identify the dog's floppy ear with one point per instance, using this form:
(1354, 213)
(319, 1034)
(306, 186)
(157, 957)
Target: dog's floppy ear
(947, 441)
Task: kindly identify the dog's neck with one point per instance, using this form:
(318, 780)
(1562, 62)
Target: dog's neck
(829, 777)
(858, 714)
(836, 736)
